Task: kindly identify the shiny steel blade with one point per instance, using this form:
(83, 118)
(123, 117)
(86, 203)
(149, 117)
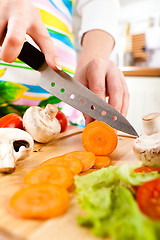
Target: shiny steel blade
(70, 91)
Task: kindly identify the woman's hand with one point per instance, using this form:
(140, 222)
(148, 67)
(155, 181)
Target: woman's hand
(19, 18)
(99, 74)
(105, 79)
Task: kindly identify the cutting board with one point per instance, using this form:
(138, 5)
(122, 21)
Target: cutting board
(64, 227)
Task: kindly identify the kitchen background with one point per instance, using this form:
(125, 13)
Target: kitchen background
(137, 53)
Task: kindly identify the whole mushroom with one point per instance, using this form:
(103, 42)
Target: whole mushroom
(15, 144)
(42, 124)
(147, 146)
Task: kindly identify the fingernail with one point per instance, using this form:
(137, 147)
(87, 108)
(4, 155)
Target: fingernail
(58, 64)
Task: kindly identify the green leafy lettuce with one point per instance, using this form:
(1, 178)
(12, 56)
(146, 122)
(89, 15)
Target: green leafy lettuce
(110, 206)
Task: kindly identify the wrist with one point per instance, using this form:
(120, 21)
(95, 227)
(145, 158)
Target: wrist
(95, 44)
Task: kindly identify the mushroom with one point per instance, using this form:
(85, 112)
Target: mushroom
(151, 123)
(42, 124)
(147, 146)
(15, 144)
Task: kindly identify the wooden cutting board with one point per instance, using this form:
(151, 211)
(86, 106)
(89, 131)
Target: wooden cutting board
(61, 228)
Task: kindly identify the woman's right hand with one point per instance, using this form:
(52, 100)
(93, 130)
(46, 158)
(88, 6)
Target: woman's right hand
(18, 18)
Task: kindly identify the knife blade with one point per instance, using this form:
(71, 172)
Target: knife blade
(72, 92)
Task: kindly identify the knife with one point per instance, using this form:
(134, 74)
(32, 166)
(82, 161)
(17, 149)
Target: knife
(72, 92)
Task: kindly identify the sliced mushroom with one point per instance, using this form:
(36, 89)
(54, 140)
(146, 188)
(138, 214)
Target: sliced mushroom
(147, 146)
(42, 124)
(15, 144)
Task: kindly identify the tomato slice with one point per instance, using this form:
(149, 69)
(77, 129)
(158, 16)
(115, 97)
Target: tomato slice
(11, 120)
(148, 198)
(62, 120)
(147, 169)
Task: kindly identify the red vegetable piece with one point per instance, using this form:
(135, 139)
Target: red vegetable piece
(62, 120)
(11, 120)
(147, 169)
(148, 197)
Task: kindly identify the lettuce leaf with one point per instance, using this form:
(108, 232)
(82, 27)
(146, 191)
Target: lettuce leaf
(111, 208)
(127, 175)
(107, 176)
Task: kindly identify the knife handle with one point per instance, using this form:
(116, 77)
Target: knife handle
(31, 56)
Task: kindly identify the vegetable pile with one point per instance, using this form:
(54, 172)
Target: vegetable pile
(57, 175)
(121, 202)
(45, 195)
(42, 125)
(111, 209)
(34, 201)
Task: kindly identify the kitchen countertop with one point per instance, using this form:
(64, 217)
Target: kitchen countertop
(65, 226)
(140, 71)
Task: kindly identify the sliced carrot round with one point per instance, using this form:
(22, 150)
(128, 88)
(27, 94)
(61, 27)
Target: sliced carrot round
(40, 201)
(99, 138)
(50, 174)
(71, 163)
(101, 162)
(87, 159)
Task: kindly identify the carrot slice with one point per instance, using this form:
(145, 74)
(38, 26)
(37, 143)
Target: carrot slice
(50, 174)
(40, 201)
(87, 159)
(71, 163)
(101, 162)
(99, 138)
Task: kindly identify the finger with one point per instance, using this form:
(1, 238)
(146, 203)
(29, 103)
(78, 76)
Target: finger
(88, 119)
(40, 35)
(3, 25)
(3, 21)
(13, 41)
(125, 101)
(114, 88)
(95, 75)
(80, 75)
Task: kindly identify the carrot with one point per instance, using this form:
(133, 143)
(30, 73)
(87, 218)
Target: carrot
(99, 138)
(40, 201)
(50, 174)
(87, 159)
(72, 163)
(101, 162)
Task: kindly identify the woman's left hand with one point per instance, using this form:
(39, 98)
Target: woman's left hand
(99, 74)
(104, 78)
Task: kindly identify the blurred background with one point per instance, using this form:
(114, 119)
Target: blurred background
(139, 33)
(137, 53)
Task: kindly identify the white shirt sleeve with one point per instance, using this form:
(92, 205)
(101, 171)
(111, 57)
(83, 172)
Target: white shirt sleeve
(98, 14)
